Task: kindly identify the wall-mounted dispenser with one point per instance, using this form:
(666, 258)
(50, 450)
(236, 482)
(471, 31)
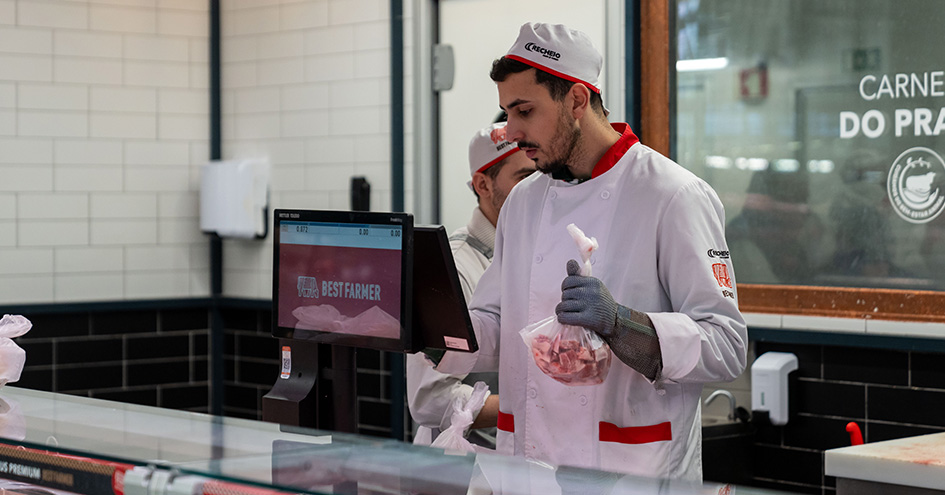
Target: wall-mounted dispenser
(769, 384)
(234, 198)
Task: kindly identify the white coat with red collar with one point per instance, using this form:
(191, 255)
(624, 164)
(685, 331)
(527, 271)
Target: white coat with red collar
(663, 252)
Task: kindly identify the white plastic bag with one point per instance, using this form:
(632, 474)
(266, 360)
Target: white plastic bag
(12, 356)
(571, 355)
(462, 416)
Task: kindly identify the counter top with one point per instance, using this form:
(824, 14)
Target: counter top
(914, 461)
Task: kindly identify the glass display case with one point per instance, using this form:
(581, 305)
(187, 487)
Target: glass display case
(54, 444)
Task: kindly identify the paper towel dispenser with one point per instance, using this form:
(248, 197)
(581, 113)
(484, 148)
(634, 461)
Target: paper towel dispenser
(234, 198)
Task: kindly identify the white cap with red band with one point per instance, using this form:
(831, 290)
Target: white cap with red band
(488, 147)
(559, 51)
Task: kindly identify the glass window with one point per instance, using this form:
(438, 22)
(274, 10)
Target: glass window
(821, 124)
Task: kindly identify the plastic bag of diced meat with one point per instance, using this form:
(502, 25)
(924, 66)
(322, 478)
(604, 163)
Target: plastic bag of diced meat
(571, 355)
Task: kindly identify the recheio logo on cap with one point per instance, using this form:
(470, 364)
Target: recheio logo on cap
(532, 47)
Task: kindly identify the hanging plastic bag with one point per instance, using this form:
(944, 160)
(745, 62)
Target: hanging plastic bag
(461, 418)
(12, 356)
(571, 355)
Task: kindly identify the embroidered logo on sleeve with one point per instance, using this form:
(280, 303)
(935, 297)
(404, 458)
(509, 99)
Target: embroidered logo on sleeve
(720, 270)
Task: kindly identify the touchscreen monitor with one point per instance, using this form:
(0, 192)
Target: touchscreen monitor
(343, 277)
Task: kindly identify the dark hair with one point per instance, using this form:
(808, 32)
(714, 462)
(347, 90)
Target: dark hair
(492, 172)
(556, 86)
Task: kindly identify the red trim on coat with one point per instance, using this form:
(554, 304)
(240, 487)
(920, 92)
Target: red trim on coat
(610, 432)
(506, 422)
(616, 152)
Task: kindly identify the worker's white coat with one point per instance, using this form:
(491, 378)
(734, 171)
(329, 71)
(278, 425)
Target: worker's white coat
(663, 252)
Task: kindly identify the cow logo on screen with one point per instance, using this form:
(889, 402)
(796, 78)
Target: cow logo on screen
(308, 287)
(915, 185)
(720, 270)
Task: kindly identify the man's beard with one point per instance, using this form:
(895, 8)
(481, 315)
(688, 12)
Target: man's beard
(563, 144)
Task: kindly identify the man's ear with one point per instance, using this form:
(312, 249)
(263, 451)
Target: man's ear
(581, 100)
(482, 184)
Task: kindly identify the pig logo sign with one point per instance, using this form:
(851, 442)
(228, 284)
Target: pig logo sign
(915, 184)
(308, 287)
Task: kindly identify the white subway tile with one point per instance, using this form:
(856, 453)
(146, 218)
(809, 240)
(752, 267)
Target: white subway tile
(86, 44)
(157, 258)
(762, 320)
(285, 151)
(143, 285)
(89, 178)
(87, 70)
(26, 260)
(88, 287)
(312, 123)
(182, 5)
(304, 15)
(157, 178)
(160, 74)
(199, 152)
(111, 232)
(356, 121)
(18, 178)
(288, 178)
(310, 96)
(58, 206)
(166, 49)
(252, 21)
(118, 99)
(199, 284)
(282, 71)
(332, 67)
(26, 40)
(53, 124)
(26, 150)
(26, 67)
(8, 239)
(7, 207)
(252, 100)
(199, 50)
(179, 205)
(257, 126)
(26, 289)
(87, 152)
(372, 148)
(280, 45)
(240, 283)
(331, 39)
(189, 101)
(328, 177)
(372, 35)
(358, 93)
(7, 95)
(156, 153)
(343, 12)
(372, 63)
(905, 328)
(200, 255)
(126, 3)
(8, 12)
(52, 14)
(108, 125)
(199, 75)
(236, 75)
(845, 325)
(53, 96)
(306, 200)
(240, 255)
(239, 48)
(124, 205)
(179, 231)
(177, 23)
(183, 126)
(7, 122)
(53, 233)
(89, 259)
(122, 19)
(329, 150)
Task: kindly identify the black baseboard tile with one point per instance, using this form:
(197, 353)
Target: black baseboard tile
(77, 378)
(158, 346)
(816, 432)
(86, 350)
(165, 372)
(906, 405)
(35, 379)
(185, 397)
(184, 319)
(122, 322)
(801, 466)
(258, 373)
(46, 326)
(241, 396)
(880, 431)
(142, 397)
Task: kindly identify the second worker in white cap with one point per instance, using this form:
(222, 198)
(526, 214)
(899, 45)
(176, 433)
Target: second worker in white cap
(663, 291)
(495, 167)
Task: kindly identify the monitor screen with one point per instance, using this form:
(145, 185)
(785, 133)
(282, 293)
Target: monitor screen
(343, 277)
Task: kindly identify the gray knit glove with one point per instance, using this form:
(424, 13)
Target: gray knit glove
(586, 302)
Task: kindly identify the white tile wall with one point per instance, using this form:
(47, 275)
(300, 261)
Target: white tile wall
(103, 114)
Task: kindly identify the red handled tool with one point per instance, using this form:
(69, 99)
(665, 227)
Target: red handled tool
(856, 438)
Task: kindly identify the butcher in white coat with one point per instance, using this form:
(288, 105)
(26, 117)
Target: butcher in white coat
(663, 291)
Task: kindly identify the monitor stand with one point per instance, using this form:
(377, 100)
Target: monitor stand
(305, 399)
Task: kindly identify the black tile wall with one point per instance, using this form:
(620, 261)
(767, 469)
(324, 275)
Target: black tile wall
(888, 393)
(158, 346)
(47, 326)
(184, 319)
(39, 353)
(122, 322)
(81, 378)
(185, 397)
(147, 397)
(89, 350)
(158, 373)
